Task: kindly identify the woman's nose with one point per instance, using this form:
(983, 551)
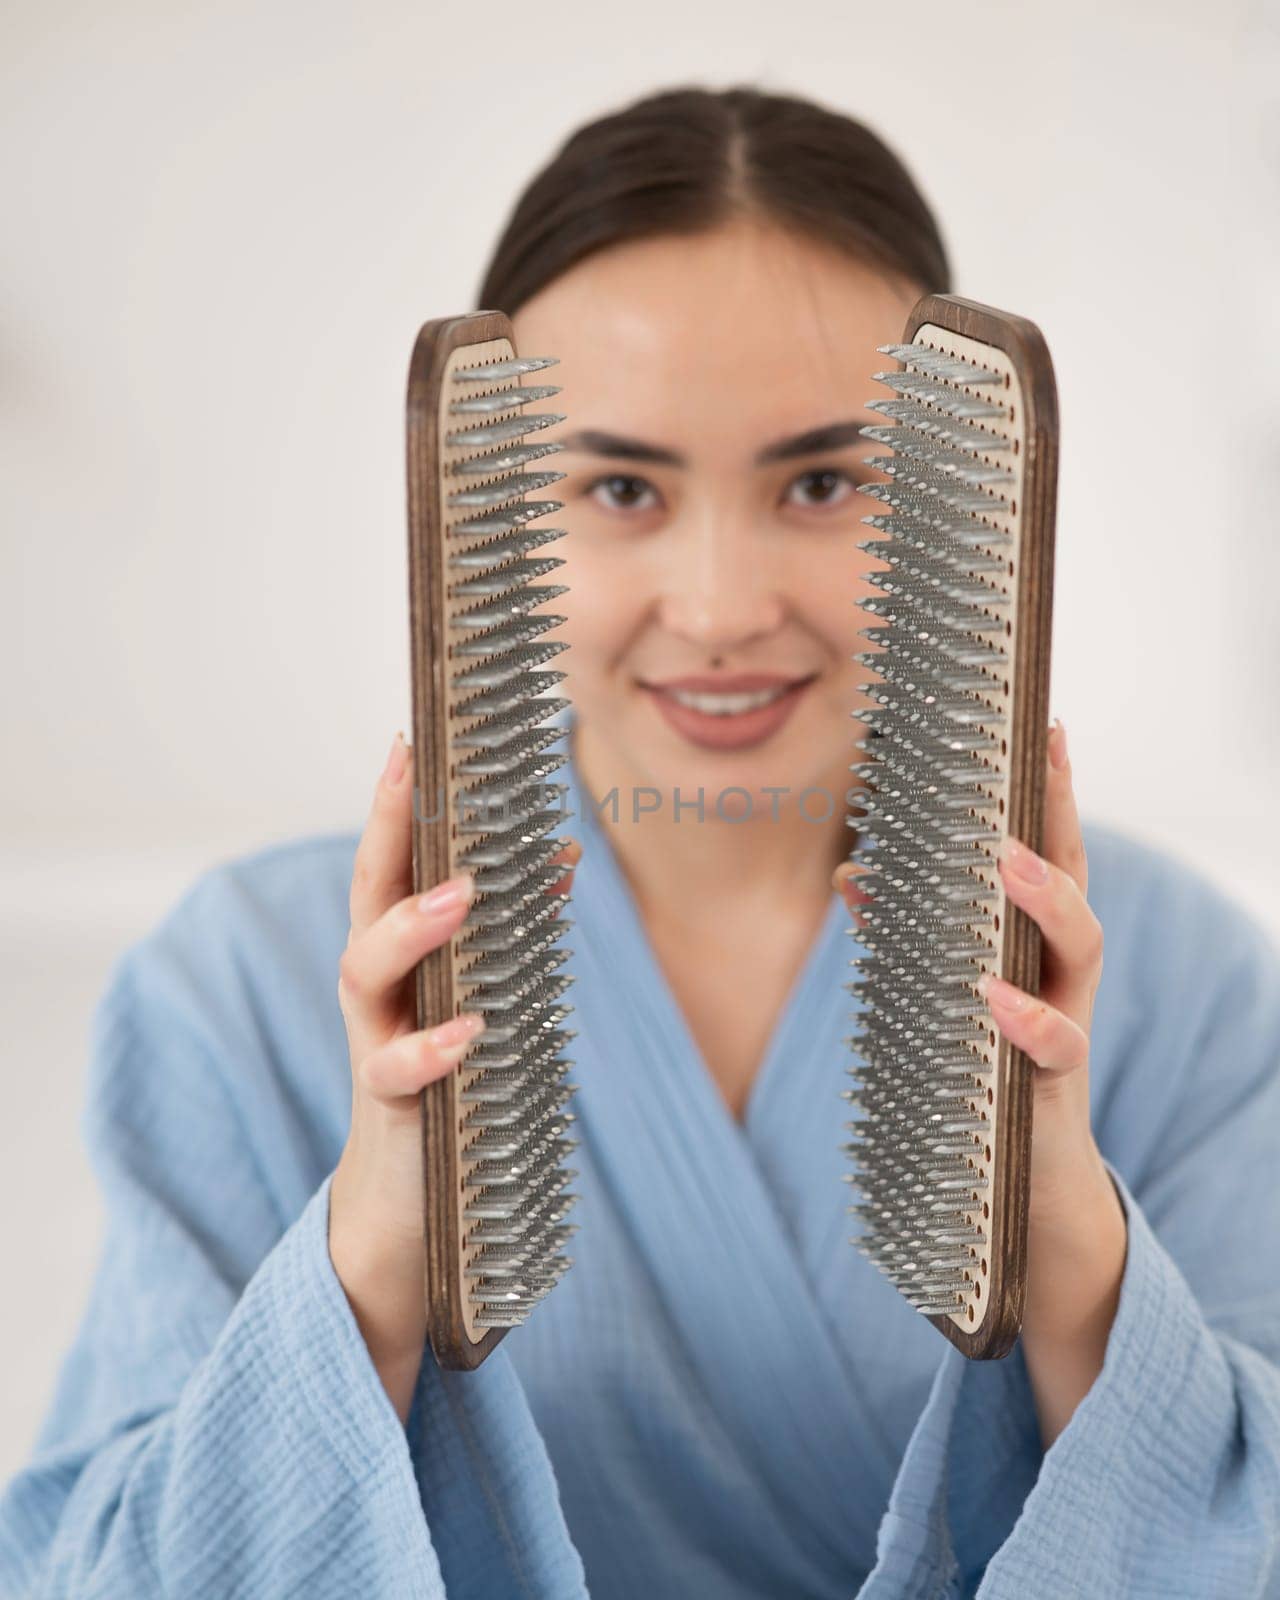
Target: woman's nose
(720, 588)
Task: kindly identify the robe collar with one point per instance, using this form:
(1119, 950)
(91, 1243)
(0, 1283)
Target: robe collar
(735, 1235)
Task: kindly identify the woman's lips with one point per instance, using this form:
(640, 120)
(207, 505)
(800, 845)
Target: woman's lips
(733, 728)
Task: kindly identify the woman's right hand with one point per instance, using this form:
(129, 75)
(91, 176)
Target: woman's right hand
(376, 1220)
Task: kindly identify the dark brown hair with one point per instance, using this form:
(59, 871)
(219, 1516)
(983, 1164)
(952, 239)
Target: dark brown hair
(684, 160)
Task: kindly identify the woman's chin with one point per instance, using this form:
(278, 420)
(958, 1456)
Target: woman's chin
(757, 777)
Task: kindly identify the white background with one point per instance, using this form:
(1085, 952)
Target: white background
(221, 229)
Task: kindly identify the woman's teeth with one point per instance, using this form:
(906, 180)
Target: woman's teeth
(727, 705)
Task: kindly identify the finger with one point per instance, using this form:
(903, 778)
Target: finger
(406, 1064)
(383, 869)
(571, 854)
(1055, 1043)
(1063, 842)
(845, 881)
(1071, 952)
(373, 967)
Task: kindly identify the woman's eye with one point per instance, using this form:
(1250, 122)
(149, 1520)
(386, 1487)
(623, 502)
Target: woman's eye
(823, 486)
(620, 492)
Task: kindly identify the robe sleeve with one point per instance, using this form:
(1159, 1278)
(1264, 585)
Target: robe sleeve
(218, 1427)
(1166, 1480)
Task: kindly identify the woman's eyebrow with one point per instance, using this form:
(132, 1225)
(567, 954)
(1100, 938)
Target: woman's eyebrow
(591, 441)
(831, 436)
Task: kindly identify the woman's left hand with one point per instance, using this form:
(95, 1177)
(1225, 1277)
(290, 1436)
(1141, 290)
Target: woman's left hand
(1077, 1233)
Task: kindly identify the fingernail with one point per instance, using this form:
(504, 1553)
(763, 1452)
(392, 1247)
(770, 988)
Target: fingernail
(1023, 863)
(451, 1038)
(1004, 994)
(445, 896)
(568, 857)
(845, 879)
(397, 760)
(1057, 745)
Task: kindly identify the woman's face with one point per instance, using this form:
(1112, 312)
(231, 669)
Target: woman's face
(711, 386)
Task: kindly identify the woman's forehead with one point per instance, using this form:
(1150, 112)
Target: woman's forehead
(737, 327)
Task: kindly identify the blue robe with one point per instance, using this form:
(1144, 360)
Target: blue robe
(722, 1398)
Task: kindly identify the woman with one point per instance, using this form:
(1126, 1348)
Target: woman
(722, 1398)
